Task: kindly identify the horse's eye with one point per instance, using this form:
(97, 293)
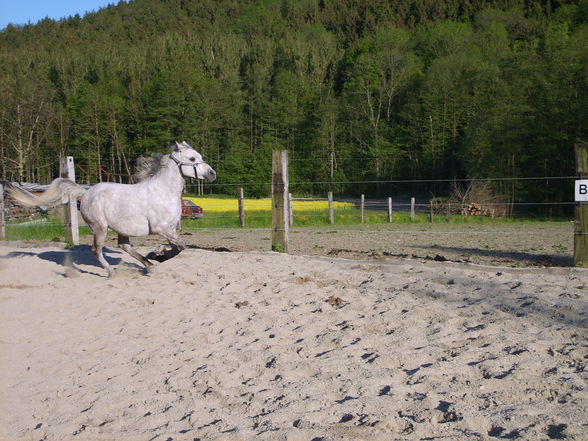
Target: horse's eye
(193, 159)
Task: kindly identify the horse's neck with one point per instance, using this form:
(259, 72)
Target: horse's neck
(169, 179)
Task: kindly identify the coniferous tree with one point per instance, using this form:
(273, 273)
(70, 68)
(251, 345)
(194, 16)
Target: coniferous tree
(354, 90)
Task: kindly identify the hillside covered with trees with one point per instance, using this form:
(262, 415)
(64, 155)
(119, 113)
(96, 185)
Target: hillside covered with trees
(355, 90)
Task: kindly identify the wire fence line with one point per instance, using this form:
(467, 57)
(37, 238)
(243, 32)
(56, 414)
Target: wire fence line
(376, 210)
(389, 201)
(353, 182)
(401, 186)
(505, 196)
(399, 181)
(423, 233)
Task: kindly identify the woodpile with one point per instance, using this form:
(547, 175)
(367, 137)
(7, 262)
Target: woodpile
(474, 209)
(14, 211)
(487, 202)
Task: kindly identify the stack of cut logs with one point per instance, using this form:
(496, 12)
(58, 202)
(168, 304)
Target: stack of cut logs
(15, 211)
(474, 209)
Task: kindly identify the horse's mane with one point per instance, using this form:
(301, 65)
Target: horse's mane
(147, 167)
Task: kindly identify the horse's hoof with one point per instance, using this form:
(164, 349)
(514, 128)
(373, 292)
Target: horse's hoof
(150, 269)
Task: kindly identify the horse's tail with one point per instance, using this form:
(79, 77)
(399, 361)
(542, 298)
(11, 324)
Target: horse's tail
(61, 191)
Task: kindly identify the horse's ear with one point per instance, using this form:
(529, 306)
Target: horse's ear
(177, 147)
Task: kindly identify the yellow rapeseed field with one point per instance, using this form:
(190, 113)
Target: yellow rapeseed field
(228, 205)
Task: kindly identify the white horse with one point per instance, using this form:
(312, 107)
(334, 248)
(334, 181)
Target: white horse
(152, 206)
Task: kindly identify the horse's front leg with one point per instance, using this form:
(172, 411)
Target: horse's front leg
(125, 244)
(177, 246)
(176, 243)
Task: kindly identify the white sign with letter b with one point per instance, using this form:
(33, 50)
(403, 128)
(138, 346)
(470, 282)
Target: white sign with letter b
(582, 190)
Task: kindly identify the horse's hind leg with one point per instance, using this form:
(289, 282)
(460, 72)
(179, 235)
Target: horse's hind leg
(99, 238)
(125, 244)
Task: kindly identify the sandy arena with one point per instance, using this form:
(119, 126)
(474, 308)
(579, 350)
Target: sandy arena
(255, 345)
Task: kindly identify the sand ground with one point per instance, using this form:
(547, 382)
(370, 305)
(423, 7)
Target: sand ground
(251, 344)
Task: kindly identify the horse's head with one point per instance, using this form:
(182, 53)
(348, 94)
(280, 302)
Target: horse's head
(191, 163)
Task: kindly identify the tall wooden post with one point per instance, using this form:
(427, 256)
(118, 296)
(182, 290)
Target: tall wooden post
(331, 209)
(280, 216)
(362, 208)
(241, 207)
(412, 208)
(581, 222)
(290, 210)
(390, 210)
(2, 230)
(72, 231)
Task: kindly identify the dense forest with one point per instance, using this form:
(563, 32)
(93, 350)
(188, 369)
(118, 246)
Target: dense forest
(355, 90)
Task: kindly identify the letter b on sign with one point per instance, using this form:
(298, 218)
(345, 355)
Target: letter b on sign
(582, 190)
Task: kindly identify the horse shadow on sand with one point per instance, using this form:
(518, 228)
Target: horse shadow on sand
(510, 256)
(72, 258)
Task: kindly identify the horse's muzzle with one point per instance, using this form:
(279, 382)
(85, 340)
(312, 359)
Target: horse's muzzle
(210, 176)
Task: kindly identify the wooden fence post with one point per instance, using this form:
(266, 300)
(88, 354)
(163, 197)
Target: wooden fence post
(241, 207)
(431, 210)
(72, 231)
(290, 210)
(581, 222)
(389, 209)
(331, 209)
(280, 224)
(362, 207)
(2, 230)
(412, 201)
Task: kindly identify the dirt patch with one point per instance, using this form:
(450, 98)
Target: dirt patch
(524, 244)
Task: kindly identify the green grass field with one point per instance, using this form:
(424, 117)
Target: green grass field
(343, 216)
(48, 229)
(53, 229)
